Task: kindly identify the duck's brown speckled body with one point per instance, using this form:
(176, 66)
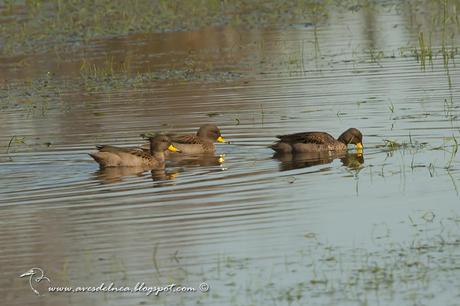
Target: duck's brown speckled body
(111, 156)
(309, 142)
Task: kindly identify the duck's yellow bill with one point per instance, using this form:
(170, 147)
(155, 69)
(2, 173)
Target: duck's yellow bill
(359, 146)
(220, 139)
(173, 148)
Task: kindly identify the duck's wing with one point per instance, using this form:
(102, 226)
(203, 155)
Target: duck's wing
(186, 139)
(181, 139)
(131, 150)
(307, 137)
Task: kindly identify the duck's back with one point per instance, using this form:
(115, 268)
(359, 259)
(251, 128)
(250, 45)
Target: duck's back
(306, 142)
(111, 156)
(192, 144)
(186, 139)
(188, 144)
(307, 137)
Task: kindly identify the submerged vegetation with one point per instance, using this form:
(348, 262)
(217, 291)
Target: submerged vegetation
(109, 75)
(390, 271)
(32, 97)
(35, 97)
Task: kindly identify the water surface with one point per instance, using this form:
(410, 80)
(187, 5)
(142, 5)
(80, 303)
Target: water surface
(381, 228)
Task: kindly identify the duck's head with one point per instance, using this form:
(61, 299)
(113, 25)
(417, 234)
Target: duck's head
(210, 132)
(161, 143)
(352, 136)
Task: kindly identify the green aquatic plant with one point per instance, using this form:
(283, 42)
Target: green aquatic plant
(453, 151)
(34, 97)
(393, 145)
(425, 51)
(375, 55)
(155, 260)
(391, 107)
(15, 140)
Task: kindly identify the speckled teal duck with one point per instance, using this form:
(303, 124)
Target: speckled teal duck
(309, 142)
(200, 143)
(110, 156)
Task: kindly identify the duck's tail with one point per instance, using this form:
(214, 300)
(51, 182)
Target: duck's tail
(95, 157)
(100, 158)
(281, 147)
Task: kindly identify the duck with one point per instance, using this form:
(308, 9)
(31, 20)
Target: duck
(311, 142)
(111, 156)
(200, 143)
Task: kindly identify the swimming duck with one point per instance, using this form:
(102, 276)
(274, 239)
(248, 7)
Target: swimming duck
(309, 142)
(110, 156)
(200, 143)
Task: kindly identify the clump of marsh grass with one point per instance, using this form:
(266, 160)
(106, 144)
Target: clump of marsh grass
(14, 141)
(425, 51)
(450, 146)
(393, 145)
(110, 75)
(107, 69)
(47, 23)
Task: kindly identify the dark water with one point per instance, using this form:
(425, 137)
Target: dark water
(259, 230)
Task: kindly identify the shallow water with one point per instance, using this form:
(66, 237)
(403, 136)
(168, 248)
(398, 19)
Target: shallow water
(258, 229)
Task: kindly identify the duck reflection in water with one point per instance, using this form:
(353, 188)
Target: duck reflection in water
(116, 174)
(202, 160)
(303, 160)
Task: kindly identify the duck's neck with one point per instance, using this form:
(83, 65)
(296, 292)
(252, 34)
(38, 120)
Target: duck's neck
(204, 137)
(342, 139)
(201, 135)
(155, 153)
(158, 155)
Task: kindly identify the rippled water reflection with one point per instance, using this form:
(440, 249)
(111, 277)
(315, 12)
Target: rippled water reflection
(248, 223)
